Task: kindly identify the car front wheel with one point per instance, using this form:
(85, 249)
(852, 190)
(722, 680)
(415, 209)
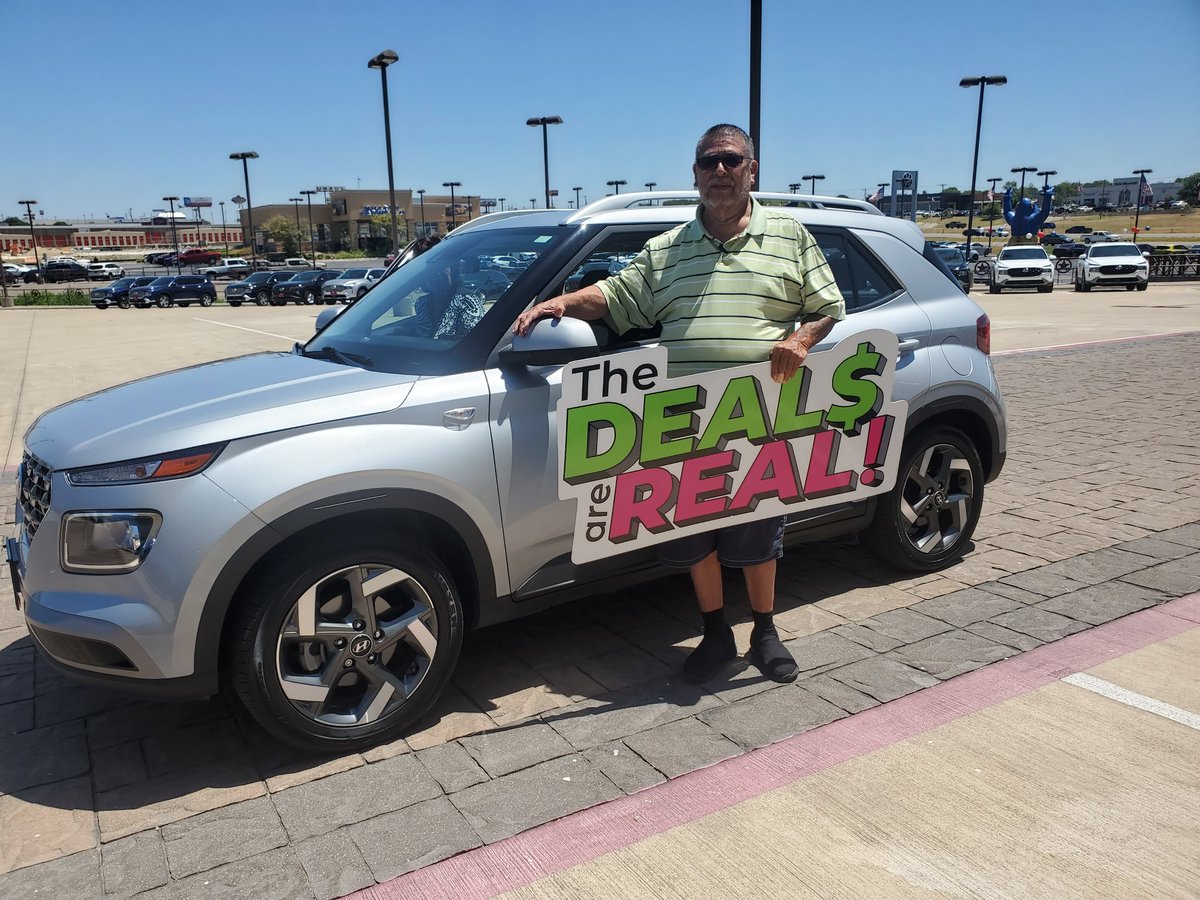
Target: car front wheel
(207, 299)
(124, 303)
(928, 518)
(262, 298)
(341, 643)
(309, 298)
(164, 301)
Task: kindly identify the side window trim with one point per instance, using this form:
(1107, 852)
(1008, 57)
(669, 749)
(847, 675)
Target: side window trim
(854, 245)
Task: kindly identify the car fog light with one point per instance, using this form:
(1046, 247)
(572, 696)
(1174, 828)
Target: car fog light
(107, 541)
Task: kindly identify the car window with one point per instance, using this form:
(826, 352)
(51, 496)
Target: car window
(1022, 253)
(860, 278)
(354, 273)
(1115, 251)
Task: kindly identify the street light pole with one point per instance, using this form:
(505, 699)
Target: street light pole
(813, 179)
(224, 232)
(174, 234)
(421, 194)
(312, 241)
(1047, 173)
(616, 184)
(992, 210)
(795, 186)
(650, 185)
(296, 201)
(1023, 170)
(37, 260)
(247, 155)
(982, 81)
(453, 211)
(381, 62)
(577, 190)
(502, 199)
(544, 121)
(1137, 215)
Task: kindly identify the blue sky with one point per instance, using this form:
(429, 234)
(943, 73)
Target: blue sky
(110, 107)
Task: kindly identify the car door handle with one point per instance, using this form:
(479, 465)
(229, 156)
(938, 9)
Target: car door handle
(909, 345)
(458, 419)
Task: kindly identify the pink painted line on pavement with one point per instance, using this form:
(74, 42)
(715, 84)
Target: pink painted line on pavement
(1120, 340)
(585, 835)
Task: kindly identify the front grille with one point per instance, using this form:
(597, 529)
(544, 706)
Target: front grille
(1116, 270)
(1024, 273)
(33, 493)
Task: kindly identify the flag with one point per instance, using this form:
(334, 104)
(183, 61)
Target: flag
(991, 194)
(1147, 192)
(877, 196)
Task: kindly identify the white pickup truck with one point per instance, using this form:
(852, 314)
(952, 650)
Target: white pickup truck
(1100, 237)
(227, 268)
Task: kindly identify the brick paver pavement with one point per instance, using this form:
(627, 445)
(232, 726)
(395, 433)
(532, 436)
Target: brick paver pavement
(1097, 515)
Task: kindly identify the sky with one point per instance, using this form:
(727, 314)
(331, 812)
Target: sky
(112, 106)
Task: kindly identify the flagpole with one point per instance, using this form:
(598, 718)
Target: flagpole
(1143, 189)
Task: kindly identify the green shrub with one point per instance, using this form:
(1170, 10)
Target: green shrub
(69, 297)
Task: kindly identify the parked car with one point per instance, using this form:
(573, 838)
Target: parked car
(175, 290)
(957, 264)
(298, 262)
(255, 288)
(956, 225)
(1054, 238)
(61, 270)
(1079, 229)
(350, 285)
(227, 268)
(302, 287)
(1070, 250)
(105, 271)
(198, 256)
(492, 283)
(1022, 266)
(1099, 237)
(117, 293)
(1120, 264)
(231, 524)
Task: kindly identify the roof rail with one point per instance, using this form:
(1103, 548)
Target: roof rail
(488, 218)
(691, 198)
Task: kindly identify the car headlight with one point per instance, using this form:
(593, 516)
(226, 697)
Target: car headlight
(112, 542)
(155, 468)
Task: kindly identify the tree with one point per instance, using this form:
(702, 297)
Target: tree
(283, 231)
(1190, 188)
(13, 220)
(61, 222)
(990, 211)
(1066, 190)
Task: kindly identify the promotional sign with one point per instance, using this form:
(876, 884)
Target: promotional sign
(380, 210)
(649, 459)
(197, 201)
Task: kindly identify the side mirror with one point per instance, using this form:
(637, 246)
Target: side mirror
(327, 315)
(552, 342)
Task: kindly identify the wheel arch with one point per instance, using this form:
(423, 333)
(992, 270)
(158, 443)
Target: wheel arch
(972, 418)
(442, 527)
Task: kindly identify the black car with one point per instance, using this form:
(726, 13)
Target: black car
(64, 271)
(302, 287)
(1054, 238)
(1079, 229)
(255, 288)
(171, 290)
(956, 263)
(118, 292)
(1070, 250)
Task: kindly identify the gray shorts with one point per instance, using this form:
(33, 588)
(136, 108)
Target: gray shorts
(737, 546)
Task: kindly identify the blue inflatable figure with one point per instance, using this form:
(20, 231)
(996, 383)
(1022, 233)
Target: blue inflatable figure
(1028, 217)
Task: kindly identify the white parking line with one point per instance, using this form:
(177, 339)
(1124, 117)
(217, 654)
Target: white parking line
(1117, 340)
(1131, 698)
(282, 337)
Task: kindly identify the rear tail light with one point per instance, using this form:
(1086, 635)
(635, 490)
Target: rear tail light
(983, 334)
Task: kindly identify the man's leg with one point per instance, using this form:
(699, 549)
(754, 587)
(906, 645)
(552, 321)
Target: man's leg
(717, 647)
(766, 650)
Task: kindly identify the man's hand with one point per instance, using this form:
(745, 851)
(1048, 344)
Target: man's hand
(789, 354)
(553, 307)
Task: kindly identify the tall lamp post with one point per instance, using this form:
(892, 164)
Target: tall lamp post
(453, 210)
(813, 179)
(174, 234)
(296, 201)
(502, 199)
(421, 194)
(1137, 215)
(37, 260)
(312, 241)
(1022, 170)
(381, 62)
(991, 210)
(577, 190)
(650, 185)
(249, 154)
(224, 233)
(616, 185)
(982, 81)
(795, 186)
(544, 121)
(1047, 173)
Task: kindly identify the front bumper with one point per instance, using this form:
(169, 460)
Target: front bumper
(1023, 278)
(1095, 275)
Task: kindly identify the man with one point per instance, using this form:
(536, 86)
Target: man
(728, 288)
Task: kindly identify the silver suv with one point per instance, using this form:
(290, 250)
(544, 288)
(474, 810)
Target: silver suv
(317, 529)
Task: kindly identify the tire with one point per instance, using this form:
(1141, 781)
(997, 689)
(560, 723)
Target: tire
(360, 293)
(100, 305)
(164, 301)
(322, 697)
(1084, 286)
(124, 303)
(185, 305)
(262, 298)
(1142, 287)
(993, 288)
(1077, 287)
(235, 303)
(1045, 289)
(309, 298)
(207, 300)
(927, 520)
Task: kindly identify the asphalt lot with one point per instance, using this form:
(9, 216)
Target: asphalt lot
(1092, 520)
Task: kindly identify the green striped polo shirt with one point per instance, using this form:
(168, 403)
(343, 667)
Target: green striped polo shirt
(725, 304)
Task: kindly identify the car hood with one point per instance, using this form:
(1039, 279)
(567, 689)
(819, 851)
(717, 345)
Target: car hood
(207, 404)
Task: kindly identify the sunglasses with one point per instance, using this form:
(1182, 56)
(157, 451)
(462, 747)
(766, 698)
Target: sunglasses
(730, 161)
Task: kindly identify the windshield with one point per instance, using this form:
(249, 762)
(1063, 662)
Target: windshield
(163, 280)
(1023, 253)
(353, 273)
(258, 277)
(414, 320)
(122, 282)
(950, 256)
(1116, 250)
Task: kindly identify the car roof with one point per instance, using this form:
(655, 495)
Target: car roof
(651, 208)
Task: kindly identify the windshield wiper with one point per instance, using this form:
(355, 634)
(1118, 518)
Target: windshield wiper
(333, 353)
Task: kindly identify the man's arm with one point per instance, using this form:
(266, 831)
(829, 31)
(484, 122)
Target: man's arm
(587, 303)
(789, 354)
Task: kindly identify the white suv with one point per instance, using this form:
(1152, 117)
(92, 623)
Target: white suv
(1022, 266)
(105, 271)
(1112, 264)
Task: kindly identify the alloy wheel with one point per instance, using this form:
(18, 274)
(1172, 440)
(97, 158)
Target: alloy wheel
(936, 501)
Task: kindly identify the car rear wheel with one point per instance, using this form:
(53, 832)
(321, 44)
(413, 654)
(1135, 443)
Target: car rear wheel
(1084, 286)
(1142, 287)
(262, 298)
(360, 293)
(235, 303)
(993, 288)
(928, 518)
(101, 305)
(342, 642)
(124, 303)
(165, 301)
(1045, 288)
(309, 298)
(207, 299)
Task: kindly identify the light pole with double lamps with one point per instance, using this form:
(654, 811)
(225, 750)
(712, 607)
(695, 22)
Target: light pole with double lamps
(453, 210)
(296, 201)
(421, 194)
(813, 179)
(616, 185)
(544, 121)
(982, 82)
(312, 241)
(174, 234)
(991, 211)
(37, 260)
(244, 156)
(795, 186)
(381, 62)
(224, 232)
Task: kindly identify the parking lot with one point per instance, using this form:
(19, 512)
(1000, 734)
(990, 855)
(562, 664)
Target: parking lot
(1093, 519)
